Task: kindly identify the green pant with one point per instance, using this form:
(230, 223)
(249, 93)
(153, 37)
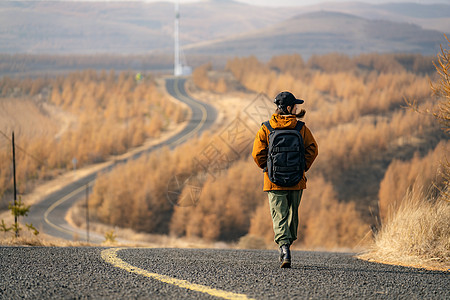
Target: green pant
(284, 209)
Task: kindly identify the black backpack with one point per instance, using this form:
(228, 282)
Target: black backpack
(286, 155)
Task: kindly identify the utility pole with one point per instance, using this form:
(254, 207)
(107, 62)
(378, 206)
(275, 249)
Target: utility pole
(15, 189)
(87, 212)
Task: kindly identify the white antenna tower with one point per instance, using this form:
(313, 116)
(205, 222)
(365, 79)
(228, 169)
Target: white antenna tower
(177, 67)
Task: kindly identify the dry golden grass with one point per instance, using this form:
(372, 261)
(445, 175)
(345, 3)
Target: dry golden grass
(124, 237)
(28, 118)
(86, 115)
(343, 107)
(403, 175)
(40, 242)
(349, 119)
(416, 234)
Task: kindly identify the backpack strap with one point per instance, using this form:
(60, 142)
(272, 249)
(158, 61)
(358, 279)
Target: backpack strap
(285, 149)
(299, 125)
(268, 126)
(287, 169)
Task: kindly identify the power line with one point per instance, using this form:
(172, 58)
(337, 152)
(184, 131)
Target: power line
(21, 149)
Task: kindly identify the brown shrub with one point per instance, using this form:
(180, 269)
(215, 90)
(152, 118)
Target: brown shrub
(416, 230)
(202, 79)
(402, 176)
(225, 205)
(112, 113)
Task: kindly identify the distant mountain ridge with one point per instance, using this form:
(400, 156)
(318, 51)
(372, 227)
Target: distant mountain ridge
(430, 16)
(417, 10)
(222, 27)
(324, 32)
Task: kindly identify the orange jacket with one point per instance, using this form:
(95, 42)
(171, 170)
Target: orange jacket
(261, 144)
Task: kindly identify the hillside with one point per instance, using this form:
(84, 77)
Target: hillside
(121, 27)
(219, 27)
(325, 32)
(431, 16)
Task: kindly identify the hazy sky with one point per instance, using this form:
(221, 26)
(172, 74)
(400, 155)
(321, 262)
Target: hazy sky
(282, 2)
(312, 2)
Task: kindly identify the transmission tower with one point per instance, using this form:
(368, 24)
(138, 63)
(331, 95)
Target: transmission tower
(178, 69)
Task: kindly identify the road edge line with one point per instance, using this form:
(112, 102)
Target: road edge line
(59, 202)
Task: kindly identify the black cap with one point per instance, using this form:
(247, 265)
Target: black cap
(285, 99)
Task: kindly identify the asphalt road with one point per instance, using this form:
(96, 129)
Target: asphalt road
(136, 273)
(48, 215)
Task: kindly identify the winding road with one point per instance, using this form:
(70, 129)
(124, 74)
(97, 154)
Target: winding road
(146, 273)
(49, 214)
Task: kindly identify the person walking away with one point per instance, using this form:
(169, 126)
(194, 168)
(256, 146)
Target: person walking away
(285, 149)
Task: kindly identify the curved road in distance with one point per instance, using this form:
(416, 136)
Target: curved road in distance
(48, 215)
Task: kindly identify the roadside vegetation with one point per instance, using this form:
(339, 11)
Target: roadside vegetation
(87, 117)
(355, 108)
(416, 227)
(373, 151)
